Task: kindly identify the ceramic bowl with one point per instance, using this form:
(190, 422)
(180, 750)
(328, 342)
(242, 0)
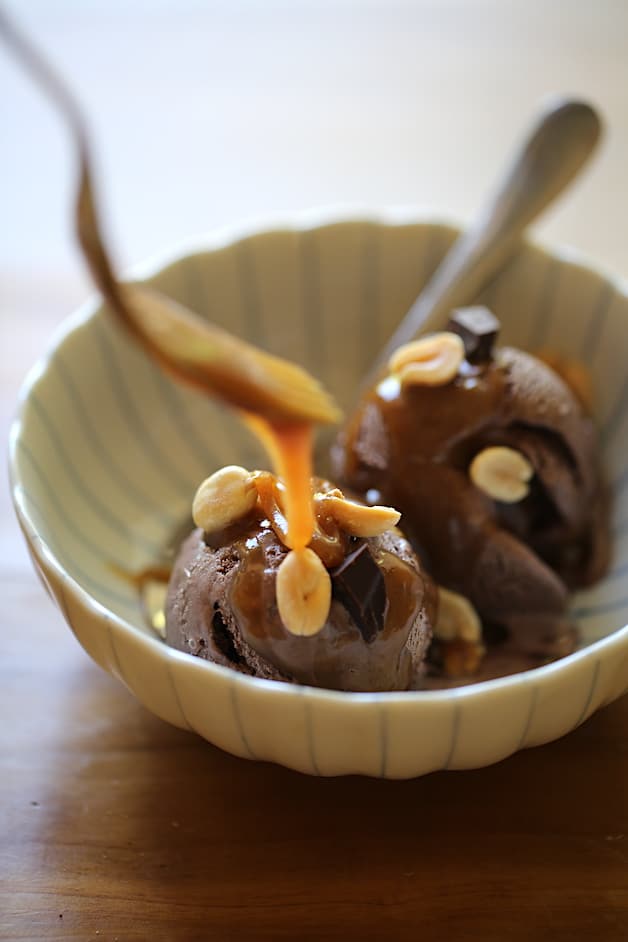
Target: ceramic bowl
(106, 453)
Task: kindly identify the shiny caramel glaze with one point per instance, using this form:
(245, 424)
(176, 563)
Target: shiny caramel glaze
(225, 583)
(411, 447)
(339, 656)
(290, 449)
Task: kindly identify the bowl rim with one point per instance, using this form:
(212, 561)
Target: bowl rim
(223, 238)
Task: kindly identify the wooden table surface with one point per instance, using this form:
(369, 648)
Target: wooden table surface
(112, 824)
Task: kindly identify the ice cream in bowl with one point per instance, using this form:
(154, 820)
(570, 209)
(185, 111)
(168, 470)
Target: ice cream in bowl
(108, 453)
(427, 572)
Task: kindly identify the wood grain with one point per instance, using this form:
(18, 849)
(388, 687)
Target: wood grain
(116, 826)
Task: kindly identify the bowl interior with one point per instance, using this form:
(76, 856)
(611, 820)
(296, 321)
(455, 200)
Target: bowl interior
(109, 451)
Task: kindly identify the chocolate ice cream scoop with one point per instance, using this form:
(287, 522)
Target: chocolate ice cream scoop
(224, 599)
(494, 464)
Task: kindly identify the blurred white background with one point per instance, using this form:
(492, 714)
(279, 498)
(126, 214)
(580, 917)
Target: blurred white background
(206, 113)
(211, 112)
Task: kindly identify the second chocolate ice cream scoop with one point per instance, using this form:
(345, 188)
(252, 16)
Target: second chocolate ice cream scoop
(493, 462)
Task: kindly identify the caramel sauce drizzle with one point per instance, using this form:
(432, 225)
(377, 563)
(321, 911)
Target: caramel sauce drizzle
(279, 401)
(290, 449)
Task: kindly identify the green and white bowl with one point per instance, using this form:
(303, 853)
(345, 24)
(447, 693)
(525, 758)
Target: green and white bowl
(106, 453)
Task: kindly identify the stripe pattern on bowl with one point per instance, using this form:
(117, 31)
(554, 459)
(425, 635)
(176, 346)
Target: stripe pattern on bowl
(108, 452)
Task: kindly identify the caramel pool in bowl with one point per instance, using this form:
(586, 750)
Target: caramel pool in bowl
(328, 296)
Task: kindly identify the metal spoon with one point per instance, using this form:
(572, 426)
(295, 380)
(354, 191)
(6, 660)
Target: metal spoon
(195, 351)
(558, 144)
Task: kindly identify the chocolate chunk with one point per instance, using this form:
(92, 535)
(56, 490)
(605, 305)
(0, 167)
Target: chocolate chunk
(478, 327)
(358, 584)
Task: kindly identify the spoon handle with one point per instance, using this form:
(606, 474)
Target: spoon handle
(559, 143)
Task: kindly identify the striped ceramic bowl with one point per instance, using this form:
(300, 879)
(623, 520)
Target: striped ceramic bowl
(106, 454)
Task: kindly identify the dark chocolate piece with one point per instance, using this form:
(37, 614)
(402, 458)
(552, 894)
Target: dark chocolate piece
(478, 327)
(358, 584)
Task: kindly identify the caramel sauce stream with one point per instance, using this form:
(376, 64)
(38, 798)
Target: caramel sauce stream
(290, 449)
(278, 400)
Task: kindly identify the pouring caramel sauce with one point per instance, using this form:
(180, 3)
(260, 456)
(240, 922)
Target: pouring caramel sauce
(278, 400)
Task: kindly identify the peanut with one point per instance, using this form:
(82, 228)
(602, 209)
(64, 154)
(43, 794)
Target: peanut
(224, 497)
(501, 473)
(303, 592)
(457, 619)
(359, 519)
(430, 361)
